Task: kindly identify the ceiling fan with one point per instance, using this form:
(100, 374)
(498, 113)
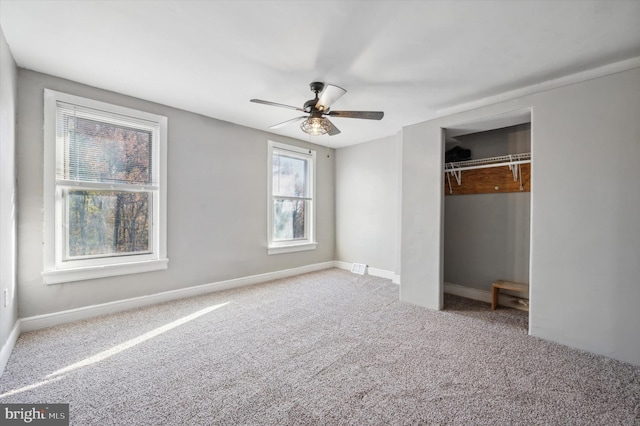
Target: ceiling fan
(315, 123)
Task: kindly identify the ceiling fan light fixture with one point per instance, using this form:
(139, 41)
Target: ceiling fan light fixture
(316, 126)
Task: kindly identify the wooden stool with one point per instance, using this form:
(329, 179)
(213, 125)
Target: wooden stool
(507, 285)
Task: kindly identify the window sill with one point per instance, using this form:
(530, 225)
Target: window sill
(291, 248)
(87, 273)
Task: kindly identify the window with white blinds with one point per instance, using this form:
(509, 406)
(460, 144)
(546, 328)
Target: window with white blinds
(291, 210)
(105, 198)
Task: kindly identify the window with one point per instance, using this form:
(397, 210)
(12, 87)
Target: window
(105, 189)
(291, 208)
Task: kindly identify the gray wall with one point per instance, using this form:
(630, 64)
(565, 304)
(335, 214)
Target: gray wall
(8, 99)
(217, 203)
(585, 205)
(486, 236)
(368, 204)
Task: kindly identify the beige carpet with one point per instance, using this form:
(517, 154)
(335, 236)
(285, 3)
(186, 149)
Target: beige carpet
(322, 348)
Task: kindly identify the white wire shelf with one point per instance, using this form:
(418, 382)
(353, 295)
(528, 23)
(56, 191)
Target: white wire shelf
(513, 161)
(503, 160)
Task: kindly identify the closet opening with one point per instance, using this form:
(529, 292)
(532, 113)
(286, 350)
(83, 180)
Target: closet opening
(487, 205)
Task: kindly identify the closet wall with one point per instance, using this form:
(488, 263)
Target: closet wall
(486, 236)
(585, 204)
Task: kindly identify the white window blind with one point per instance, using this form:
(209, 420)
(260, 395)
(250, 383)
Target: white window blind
(104, 148)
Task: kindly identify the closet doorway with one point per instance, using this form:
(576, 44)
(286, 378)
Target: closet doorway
(487, 205)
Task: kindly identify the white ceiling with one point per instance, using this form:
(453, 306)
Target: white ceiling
(409, 59)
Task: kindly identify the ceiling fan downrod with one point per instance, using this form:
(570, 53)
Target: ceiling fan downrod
(315, 87)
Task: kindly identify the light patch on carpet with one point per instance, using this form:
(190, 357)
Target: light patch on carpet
(133, 342)
(32, 386)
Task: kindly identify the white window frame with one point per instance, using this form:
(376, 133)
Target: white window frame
(309, 243)
(56, 268)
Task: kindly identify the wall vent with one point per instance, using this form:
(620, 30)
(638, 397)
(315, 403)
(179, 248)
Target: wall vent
(359, 268)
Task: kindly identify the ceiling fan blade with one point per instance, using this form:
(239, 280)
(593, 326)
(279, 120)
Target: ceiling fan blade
(367, 115)
(329, 95)
(284, 123)
(260, 101)
(334, 130)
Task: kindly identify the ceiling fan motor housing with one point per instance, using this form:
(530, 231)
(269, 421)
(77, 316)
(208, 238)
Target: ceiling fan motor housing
(316, 87)
(310, 105)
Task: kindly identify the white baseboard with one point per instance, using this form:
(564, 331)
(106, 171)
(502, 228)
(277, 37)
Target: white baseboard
(481, 295)
(468, 292)
(342, 265)
(382, 273)
(7, 348)
(62, 317)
